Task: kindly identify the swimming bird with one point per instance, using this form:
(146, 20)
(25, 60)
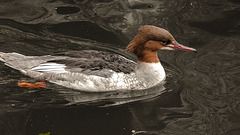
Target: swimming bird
(94, 70)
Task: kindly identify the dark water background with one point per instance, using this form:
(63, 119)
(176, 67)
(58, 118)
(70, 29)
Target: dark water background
(202, 95)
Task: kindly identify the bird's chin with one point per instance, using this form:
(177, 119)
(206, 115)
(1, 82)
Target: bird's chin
(167, 48)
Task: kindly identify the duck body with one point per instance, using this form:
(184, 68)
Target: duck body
(88, 70)
(92, 70)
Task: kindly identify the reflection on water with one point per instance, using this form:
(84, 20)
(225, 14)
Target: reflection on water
(200, 96)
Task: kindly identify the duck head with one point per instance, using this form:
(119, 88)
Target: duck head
(149, 40)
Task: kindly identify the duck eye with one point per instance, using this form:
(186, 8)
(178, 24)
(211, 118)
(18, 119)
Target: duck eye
(166, 42)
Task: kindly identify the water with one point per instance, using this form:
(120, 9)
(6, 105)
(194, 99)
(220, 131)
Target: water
(201, 95)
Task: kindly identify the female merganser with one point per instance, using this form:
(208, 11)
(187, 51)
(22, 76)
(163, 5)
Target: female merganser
(92, 70)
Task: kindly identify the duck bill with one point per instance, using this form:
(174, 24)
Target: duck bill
(175, 45)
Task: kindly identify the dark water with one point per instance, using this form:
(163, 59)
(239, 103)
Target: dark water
(202, 92)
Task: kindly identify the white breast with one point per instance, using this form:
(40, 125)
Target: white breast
(151, 73)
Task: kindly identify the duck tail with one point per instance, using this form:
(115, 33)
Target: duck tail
(1, 57)
(5, 57)
(12, 60)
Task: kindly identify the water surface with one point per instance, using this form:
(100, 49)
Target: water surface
(201, 94)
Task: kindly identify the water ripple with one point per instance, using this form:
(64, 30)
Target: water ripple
(202, 91)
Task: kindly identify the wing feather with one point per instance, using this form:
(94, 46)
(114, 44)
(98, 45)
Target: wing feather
(90, 62)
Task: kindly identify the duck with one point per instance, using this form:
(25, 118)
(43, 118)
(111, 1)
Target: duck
(96, 70)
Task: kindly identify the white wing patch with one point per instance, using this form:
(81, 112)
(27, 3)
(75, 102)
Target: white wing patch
(50, 68)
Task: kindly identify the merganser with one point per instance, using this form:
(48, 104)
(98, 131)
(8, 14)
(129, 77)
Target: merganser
(92, 70)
